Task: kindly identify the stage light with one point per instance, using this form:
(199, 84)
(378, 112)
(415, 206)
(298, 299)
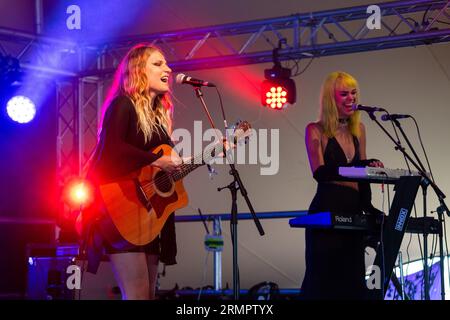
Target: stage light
(15, 100)
(278, 90)
(10, 71)
(78, 193)
(21, 109)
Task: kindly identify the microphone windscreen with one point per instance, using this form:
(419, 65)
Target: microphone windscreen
(180, 77)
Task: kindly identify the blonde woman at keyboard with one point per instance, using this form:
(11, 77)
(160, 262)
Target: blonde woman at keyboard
(335, 266)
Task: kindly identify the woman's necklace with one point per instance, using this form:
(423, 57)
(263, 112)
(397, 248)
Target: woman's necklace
(343, 122)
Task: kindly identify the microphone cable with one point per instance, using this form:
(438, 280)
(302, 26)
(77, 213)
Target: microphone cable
(444, 231)
(423, 148)
(414, 204)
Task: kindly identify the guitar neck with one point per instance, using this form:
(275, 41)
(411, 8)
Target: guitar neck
(197, 161)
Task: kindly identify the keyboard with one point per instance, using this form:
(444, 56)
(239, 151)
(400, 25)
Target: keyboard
(395, 224)
(374, 173)
(329, 220)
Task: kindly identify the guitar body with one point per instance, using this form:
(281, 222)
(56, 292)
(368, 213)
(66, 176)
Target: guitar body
(138, 205)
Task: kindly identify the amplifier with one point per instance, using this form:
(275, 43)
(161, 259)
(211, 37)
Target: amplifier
(15, 235)
(49, 268)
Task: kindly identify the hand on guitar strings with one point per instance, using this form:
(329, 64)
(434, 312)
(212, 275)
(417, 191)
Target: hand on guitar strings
(169, 164)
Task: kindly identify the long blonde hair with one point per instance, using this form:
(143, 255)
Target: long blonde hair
(328, 117)
(131, 80)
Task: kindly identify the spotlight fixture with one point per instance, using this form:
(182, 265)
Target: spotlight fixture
(15, 99)
(278, 90)
(10, 72)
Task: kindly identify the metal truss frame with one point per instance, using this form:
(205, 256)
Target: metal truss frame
(325, 33)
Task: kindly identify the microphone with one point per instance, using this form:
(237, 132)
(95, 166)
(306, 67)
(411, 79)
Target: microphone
(182, 78)
(387, 117)
(366, 108)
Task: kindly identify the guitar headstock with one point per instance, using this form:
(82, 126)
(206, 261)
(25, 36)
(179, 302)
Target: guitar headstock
(242, 130)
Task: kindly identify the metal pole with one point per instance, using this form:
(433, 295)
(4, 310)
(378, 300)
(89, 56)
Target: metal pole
(426, 271)
(402, 279)
(441, 253)
(39, 16)
(217, 257)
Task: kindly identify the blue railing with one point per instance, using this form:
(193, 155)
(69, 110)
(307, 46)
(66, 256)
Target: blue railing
(241, 216)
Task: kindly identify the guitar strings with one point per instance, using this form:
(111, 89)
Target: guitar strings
(175, 176)
(178, 175)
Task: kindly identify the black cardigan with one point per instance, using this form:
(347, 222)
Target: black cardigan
(121, 150)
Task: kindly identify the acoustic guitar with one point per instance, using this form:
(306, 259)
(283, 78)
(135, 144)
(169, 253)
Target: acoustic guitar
(138, 205)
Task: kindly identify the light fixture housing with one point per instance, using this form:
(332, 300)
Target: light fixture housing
(278, 90)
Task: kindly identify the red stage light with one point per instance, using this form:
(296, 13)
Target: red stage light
(78, 193)
(277, 93)
(278, 89)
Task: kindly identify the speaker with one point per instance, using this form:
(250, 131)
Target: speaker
(15, 235)
(48, 276)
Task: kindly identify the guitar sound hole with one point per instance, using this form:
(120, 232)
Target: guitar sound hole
(163, 182)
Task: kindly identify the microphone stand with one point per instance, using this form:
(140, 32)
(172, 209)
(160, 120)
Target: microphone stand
(425, 234)
(397, 124)
(425, 182)
(235, 185)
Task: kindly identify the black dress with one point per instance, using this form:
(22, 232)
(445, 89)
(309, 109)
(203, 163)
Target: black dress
(122, 149)
(335, 260)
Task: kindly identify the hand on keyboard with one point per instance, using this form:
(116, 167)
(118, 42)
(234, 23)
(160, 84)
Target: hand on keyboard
(376, 163)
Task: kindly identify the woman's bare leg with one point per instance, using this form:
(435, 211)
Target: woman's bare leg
(152, 265)
(131, 272)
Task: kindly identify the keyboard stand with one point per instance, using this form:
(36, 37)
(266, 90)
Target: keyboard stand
(398, 286)
(395, 226)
